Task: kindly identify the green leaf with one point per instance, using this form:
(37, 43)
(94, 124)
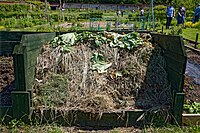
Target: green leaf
(191, 110)
(101, 67)
(97, 57)
(67, 48)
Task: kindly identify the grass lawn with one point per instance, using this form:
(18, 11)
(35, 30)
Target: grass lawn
(190, 33)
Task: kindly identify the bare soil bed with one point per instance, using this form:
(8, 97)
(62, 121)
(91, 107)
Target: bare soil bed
(6, 80)
(191, 85)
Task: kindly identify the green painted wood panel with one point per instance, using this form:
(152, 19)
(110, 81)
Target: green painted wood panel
(5, 111)
(8, 40)
(26, 55)
(21, 105)
(175, 56)
(176, 65)
(10, 36)
(170, 43)
(175, 61)
(176, 79)
(178, 108)
(33, 44)
(20, 83)
(88, 119)
(6, 114)
(107, 119)
(6, 48)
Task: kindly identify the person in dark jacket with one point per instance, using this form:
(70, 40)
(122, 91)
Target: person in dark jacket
(181, 15)
(197, 13)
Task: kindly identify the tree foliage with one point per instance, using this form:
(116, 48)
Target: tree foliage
(189, 4)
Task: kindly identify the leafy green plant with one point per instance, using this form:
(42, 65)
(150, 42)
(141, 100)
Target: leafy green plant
(192, 108)
(15, 123)
(55, 130)
(99, 63)
(54, 91)
(175, 30)
(160, 13)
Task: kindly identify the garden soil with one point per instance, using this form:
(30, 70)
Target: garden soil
(192, 85)
(6, 80)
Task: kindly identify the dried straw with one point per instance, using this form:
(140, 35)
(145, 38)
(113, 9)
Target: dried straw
(143, 83)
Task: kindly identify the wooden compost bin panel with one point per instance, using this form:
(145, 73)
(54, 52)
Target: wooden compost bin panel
(191, 119)
(24, 47)
(6, 114)
(176, 59)
(25, 55)
(88, 119)
(8, 40)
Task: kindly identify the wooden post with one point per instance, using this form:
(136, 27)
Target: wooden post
(21, 105)
(162, 29)
(196, 42)
(25, 58)
(178, 108)
(20, 82)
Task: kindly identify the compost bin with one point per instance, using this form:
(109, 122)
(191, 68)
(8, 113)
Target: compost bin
(25, 47)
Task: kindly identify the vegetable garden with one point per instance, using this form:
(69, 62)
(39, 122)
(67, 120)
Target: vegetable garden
(97, 79)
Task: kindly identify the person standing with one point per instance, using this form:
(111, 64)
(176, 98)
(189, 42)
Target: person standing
(181, 15)
(197, 13)
(142, 12)
(142, 17)
(170, 13)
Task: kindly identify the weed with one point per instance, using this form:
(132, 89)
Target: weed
(192, 108)
(15, 123)
(175, 31)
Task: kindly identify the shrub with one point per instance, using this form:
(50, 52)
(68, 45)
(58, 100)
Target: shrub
(159, 12)
(196, 25)
(15, 7)
(174, 22)
(160, 15)
(188, 24)
(189, 13)
(95, 15)
(160, 8)
(189, 19)
(83, 16)
(192, 25)
(55, 17)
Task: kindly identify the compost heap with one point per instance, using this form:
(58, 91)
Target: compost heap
(102, 71)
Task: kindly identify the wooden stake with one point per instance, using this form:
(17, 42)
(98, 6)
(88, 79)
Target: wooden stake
(196, 42)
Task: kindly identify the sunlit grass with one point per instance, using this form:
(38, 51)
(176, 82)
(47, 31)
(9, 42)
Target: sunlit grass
(190, 33)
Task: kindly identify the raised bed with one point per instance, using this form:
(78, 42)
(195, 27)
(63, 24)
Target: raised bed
(192, 89)
(191, 119)
(24, 47)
